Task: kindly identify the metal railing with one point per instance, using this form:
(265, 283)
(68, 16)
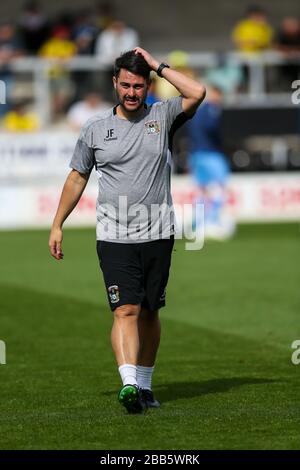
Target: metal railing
(256, 94)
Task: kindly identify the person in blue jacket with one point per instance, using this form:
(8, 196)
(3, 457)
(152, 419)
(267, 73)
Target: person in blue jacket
(209, 166)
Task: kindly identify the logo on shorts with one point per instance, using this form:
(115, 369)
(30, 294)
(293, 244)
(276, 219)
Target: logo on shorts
(114, 295)
(152, 127)
(163, 296)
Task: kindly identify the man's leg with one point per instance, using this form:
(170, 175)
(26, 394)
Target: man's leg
(125, 334)
(125, 343)
(149, 336)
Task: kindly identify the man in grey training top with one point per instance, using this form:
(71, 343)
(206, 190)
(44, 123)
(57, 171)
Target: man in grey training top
(129, 147)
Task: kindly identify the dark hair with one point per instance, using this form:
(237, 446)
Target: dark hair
(134, 63)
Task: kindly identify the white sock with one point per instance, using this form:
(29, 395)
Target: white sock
(128, 374)
(144, 376)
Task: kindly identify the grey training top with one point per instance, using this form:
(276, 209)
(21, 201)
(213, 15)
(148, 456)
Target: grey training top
(132, 159)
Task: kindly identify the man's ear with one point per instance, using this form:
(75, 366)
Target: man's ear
(115, 82)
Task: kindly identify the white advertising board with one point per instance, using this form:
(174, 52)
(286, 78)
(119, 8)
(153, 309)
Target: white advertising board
(33, 169)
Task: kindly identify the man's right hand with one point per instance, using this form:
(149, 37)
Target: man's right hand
(55, 242)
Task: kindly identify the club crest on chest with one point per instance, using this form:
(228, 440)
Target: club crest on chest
(152, 127)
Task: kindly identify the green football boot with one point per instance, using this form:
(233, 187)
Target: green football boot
(130, 397)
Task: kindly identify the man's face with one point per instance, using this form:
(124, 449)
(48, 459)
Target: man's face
(131, 90)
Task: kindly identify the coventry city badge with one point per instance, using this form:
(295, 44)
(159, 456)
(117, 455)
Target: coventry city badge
(113, 292)
(152, 127)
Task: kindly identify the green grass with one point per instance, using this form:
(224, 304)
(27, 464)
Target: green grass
(224, 372)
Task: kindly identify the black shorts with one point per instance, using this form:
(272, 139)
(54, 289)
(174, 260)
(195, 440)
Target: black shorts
(136, 273)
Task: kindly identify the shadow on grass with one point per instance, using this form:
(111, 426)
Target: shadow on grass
(179, 390)
(53, 325)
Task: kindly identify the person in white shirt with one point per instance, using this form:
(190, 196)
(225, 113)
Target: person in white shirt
(81, 111)
(114, 40)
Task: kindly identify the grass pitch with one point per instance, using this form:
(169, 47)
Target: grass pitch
(224, 373)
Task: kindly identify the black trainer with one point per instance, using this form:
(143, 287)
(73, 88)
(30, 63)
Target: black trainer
(148, 398)
(130, 396)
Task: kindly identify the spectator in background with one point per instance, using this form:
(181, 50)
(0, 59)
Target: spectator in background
(288, 36)
(83, 79)
(80, 112)
(104, 15)
(253, 33)
(152, 96)
(84, 41)
(59, 47)
(227, 75)
(178, 60)
(111, 43)
(84, 33)
(34, 27)
(114, 40)
(10, 49)
(10, 45)
(209, 166)
(288, 43)
(20, 119)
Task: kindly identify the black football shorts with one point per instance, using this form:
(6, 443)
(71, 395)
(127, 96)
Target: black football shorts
(136, 273)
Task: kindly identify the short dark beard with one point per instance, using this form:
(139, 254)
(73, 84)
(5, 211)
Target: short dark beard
(120, 103)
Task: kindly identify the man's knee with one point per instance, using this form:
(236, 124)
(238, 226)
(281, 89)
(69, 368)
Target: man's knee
(128, 310)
